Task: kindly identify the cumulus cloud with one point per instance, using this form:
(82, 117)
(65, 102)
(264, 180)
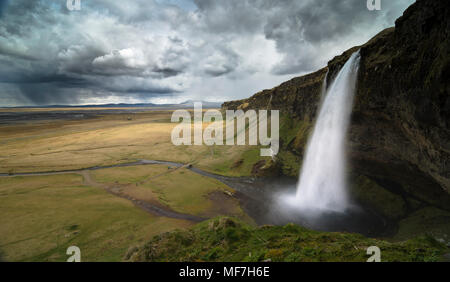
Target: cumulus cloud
(158, 50)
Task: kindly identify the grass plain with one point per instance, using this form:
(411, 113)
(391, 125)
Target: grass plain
(107, 140)
(43, 215)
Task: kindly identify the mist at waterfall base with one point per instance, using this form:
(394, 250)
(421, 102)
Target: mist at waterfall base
(320, 200)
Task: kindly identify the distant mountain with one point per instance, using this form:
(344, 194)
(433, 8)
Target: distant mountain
(186, 104)
(120, 105)
(190, 104)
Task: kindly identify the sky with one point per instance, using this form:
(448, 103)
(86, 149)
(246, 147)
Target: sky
(170, 51)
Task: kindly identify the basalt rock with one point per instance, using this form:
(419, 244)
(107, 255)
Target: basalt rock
(399, 138)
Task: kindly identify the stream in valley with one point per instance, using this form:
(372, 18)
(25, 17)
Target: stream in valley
(260, 198)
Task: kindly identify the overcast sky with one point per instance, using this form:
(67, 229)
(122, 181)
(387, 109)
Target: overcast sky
(162, 51)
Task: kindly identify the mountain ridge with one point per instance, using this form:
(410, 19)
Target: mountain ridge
(123, 105)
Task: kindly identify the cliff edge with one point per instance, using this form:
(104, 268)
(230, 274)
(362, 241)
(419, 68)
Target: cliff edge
(399, 140)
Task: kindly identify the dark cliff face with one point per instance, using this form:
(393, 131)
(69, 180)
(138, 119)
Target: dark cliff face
(399, 139)
(400, 135)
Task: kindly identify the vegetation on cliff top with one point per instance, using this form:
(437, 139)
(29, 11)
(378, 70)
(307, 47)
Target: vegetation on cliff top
(228, 239)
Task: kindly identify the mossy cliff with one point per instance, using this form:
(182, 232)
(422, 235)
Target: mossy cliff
(399, 140)
(227, 239)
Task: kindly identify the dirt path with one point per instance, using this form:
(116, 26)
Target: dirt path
(117, 189)
(258, 198)
(153, 208)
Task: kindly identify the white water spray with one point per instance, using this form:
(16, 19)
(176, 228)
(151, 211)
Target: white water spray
(322, 184)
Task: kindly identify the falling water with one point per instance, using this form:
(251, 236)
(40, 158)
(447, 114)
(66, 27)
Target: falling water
(322, 184)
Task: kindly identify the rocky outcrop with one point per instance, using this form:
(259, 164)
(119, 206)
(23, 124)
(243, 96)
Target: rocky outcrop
(297, 97)
(399, 139)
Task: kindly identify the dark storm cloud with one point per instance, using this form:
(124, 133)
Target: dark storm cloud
(222, 62)
(51, 55)
(302, 30)
(143, 49)
(71, 91)
(243, 17)
(8, 51)
(60, 79)
(2, 6)
(44, 94)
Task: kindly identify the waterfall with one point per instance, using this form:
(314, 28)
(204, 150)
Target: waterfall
(322, 183)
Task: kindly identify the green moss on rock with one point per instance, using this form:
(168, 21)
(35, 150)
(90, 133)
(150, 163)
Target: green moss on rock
(289, 163)
(367, 192)
(228, 239)
(427, 221)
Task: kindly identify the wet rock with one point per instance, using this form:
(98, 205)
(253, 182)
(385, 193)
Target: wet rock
(399, 138)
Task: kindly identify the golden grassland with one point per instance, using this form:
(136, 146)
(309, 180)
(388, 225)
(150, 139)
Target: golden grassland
(43, 215)
(111, 139)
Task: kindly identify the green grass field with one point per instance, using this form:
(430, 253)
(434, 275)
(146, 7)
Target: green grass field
(43, 215)
(179, 189)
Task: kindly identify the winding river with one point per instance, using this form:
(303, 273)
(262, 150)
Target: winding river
(259, 198)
